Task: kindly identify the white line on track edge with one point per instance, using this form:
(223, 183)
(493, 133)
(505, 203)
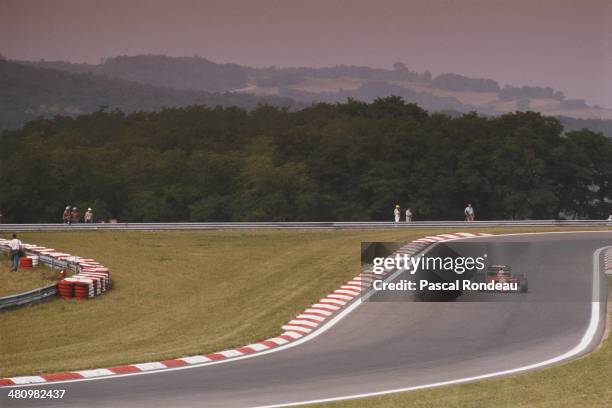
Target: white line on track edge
(584, 343)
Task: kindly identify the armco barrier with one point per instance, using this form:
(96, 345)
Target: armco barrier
(301, 225)
(46, 292)
(28, 298)
(32, 296)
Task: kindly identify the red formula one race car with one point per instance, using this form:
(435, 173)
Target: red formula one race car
(503, 274)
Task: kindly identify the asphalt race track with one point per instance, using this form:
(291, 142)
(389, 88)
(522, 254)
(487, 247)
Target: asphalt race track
(389, 345)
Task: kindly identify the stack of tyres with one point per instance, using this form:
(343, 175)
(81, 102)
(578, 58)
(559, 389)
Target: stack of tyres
(100, 277)
(100, 269)
(25, 263)
(92, 278)
(84, 288)
(89, 262)
(58, 255)
(34, 259)
(105, 279)
(44, 254)
(65, 257)
(85, 266)
(98, 283)
(65, 289)
(95, 285)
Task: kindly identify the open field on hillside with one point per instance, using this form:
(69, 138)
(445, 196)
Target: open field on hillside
(583, 383)
(182, 293)
(546, 106)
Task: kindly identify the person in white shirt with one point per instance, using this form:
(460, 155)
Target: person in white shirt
(469, 213)
(396, 213)
(408, 215)
(15, 246)
(88, 216)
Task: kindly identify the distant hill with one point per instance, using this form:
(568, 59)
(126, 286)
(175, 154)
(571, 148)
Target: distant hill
(447, 91)
(151, 82)
(183, 73)
(30, 91)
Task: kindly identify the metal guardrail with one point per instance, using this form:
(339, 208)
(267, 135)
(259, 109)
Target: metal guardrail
(35, 295)
(301, 225)
(38, 295)
(28, 298)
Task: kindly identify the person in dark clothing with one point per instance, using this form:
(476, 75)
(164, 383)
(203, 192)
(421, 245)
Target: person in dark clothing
(75, 216)
(66, 215)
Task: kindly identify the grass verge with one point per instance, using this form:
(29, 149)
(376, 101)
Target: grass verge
(183, 293)
(12, 283)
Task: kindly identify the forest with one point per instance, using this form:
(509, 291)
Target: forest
(330, 161)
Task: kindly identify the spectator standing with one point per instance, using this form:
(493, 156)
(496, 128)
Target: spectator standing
(66, 215)
(75, 216)
(408, 215)
(88, 218)
(15, 246)
(470, 215)
(396, 213)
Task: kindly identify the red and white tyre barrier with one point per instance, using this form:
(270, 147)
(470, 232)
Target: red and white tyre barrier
(92, 280)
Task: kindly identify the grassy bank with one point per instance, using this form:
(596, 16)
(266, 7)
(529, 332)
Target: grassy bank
(182, 293)
(583, 383)
(12, 283)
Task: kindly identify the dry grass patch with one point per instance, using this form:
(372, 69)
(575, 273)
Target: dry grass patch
(12, 283)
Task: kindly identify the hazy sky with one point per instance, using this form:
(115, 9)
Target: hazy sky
(566, 44)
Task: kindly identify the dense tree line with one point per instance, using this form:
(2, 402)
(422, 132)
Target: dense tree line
(348, 161)
(372, 90)
(460, 83)
(509, 92)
